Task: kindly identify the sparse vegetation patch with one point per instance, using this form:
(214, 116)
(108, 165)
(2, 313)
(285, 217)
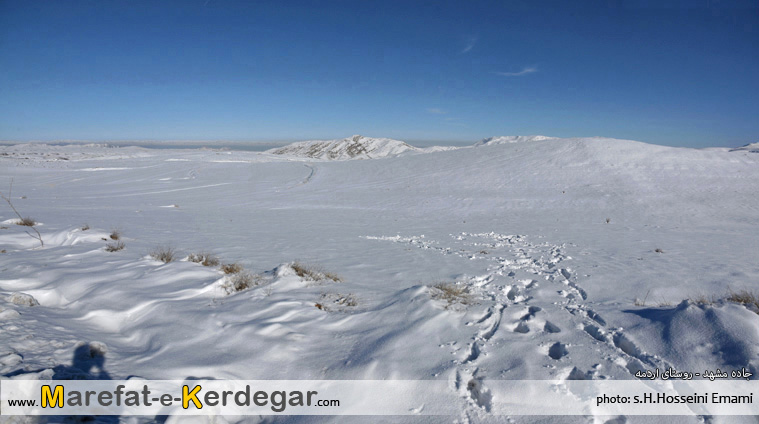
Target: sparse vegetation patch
(242, 280)
(114, 247)
(702, 299)
(745, 297)
(451, 293)
(164, 254)
(336, 302)
(314, 273)
(22, 221)
(205, 259)
(26, 222)
(232, 268)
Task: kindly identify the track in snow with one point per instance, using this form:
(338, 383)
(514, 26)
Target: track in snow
(536, 304)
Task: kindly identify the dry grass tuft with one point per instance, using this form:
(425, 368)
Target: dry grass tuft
(332, 276)
(114, 247)
(452, 294)
(702, 299)
(233, 268)
(242, 280)
(661, 303)
(115, 235)
(336, 302)
(657, 250)
(85, 227)
(639, 302)
(26, 222)
(164, 254)
(205, 259)
(314, 273)
(744, 297)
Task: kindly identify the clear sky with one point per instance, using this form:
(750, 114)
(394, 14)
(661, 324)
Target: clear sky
(686, 74)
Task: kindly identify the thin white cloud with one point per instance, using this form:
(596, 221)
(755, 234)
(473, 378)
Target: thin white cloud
(436, 111)
(470, 42)
(525, 71)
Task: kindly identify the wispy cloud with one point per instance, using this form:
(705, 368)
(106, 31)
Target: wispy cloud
(525, 71)
(469, 45)
(436, 111)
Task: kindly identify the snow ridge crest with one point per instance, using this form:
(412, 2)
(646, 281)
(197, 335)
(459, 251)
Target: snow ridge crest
(508, 139)
(355, 147)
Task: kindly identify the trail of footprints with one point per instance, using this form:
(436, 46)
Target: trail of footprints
(536, 298)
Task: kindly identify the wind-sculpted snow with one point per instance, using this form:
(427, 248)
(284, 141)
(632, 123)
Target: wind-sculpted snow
(564, 259)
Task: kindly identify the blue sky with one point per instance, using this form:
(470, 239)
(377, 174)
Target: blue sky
(686, 74)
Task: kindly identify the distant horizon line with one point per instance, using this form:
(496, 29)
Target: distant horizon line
(282, 141)
(215, 140)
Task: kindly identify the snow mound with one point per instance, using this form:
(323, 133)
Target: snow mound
(18, 237)
(698, 337)
(751, 148)
(508, 139)
(356, 147)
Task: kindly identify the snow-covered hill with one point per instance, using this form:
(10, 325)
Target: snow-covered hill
(752, 148)
(507, 139)
(356, 147)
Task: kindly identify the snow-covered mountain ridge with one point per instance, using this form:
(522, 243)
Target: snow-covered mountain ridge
(355, 147)
(507, 139)
(751, 147)
(360, 147)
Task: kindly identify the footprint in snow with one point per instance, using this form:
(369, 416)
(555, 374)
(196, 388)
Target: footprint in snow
(557, 351)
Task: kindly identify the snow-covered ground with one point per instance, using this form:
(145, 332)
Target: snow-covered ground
(574, 258)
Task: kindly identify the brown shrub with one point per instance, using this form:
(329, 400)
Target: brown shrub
(26, 222)
(205, 259)
(452, 294)
(114, 247)
(164, 254)
(314, 273)
(232, 268)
